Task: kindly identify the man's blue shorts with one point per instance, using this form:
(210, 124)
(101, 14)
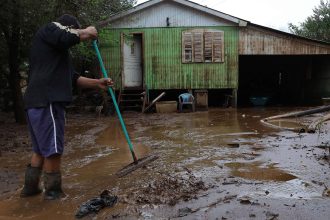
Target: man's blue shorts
(46, 127)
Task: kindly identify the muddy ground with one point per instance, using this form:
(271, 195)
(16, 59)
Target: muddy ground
(219, 164)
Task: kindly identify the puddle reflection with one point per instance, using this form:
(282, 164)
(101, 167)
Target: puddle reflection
(255, 171)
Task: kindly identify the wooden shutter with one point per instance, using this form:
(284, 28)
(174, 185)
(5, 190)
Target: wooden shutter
(208, 46)
(202, 46)
(187, 47)
(218, 46)
(198, 47)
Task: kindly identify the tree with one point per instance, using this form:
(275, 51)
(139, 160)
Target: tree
(316, 26)
(90, 12)
(19, 20)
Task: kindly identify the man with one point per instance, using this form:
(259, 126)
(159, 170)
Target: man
(51, 78)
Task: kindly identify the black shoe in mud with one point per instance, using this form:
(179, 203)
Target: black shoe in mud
(53, 186)
(93, 206)
(31, 182)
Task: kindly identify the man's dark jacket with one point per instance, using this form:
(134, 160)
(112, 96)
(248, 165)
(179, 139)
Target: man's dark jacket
(51, 74)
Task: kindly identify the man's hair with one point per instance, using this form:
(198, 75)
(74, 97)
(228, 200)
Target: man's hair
(69, 20)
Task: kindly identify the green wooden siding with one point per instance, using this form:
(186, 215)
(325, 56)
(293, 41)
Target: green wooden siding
(163, 67)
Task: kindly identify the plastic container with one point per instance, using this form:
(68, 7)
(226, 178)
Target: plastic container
(166, 106)
(259, 100)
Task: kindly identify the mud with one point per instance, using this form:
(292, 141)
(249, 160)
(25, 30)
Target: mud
(167, 189)
(220, 164)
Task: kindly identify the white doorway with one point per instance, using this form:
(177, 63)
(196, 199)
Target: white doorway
(132, 61)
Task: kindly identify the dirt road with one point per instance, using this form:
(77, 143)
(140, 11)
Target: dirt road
(220, 164)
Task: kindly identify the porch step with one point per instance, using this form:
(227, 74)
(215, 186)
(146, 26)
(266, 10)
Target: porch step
(131, 94)
(134, 100)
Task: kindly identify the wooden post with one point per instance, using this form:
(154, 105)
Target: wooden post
(234, 98)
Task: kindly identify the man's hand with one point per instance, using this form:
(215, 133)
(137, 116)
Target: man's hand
(104, 83)
(87, 33)
(91, 30)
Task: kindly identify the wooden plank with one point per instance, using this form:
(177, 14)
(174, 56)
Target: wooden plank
(218, 47)
(208, 46)
(198, 47)
(154, 101)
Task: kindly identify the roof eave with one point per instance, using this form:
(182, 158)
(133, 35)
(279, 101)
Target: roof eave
(208, 10)
(187, 3)
(129, 11)
(288, 34)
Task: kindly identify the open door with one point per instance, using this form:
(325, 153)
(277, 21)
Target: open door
(132, 61)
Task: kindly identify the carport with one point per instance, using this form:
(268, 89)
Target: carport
(284, 68)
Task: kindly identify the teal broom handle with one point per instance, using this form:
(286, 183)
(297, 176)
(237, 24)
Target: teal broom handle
(105, 75)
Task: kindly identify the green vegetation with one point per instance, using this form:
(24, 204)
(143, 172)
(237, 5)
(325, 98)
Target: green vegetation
(316, 26)
(19, 20)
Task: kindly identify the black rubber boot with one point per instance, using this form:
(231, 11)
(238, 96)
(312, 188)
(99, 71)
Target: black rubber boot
(53, 186)
(31, 183)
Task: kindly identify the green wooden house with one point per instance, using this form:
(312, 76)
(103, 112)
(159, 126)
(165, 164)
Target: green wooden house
(172, 45)
(178, 45)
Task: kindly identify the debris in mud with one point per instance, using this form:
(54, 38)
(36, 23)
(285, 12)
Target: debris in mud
(96, 204)
(233, 145)
(167, 189)
(119, 215)
(238, 183)
(326, 191)
(271, 215)
(184, 212)
(230, 182)
(318, 182)
(324, 146)
(245, 200)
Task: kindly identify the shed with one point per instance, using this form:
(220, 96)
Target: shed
(178, 45)
(289, 69)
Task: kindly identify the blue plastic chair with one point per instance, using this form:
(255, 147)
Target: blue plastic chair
(186, 99)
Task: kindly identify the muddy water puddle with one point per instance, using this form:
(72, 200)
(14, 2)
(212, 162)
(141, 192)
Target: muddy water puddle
(258, 171)
(200, 153)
